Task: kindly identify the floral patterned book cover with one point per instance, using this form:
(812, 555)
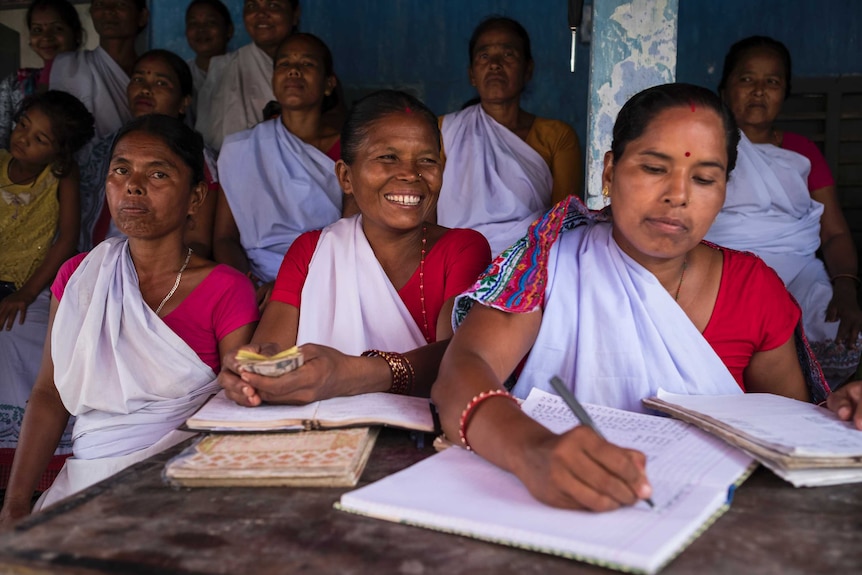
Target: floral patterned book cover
(329, 458)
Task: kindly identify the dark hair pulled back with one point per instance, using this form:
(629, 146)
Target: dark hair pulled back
(642, 108)
(372, 108)
(182, 140)
(741, 49)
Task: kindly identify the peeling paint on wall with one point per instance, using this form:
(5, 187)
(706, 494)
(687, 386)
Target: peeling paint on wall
(634, 47)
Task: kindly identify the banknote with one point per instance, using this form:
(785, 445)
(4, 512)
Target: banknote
(269, 365)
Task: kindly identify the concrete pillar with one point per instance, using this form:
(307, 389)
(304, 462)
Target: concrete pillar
(633, 48)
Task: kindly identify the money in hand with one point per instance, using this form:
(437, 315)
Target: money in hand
(269, 365)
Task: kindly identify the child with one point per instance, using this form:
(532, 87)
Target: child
(39, 224)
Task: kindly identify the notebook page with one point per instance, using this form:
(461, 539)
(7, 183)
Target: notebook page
(459, 491)
(677, 453)
(386, 408)
(222, 414)
(787, 425)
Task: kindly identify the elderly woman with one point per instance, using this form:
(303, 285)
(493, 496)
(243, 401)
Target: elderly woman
(504, 166)
(384, 279)
(99, 77)
(54, 28)
(620, 303)
(137, 325)
(781, 204)
(239, 84)
(278, 179)
(161, 83)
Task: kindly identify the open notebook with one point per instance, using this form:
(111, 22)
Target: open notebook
(459, 492)
(802, 443)
(222, 414)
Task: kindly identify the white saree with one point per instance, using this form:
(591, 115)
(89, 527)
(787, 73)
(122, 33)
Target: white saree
(769, 211)
(493, 181)
(125, 375)
(613, 332)
(277, 187)
(99, 82)
(348, 302)
(609, 329)
(237, 88)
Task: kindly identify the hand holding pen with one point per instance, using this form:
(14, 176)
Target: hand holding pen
(569, 398)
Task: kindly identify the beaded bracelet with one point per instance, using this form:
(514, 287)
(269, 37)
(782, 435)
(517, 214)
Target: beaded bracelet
(471, 408)
(403, 375)
(849, 276)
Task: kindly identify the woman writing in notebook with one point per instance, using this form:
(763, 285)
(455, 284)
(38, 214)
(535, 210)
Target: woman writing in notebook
(620, 303)
(384, 279)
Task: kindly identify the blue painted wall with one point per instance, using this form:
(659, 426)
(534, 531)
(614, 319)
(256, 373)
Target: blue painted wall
(422, 46)
(824, 36)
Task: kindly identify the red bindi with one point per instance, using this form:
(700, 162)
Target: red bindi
(693, 107)
(687, 154)
(407, 110)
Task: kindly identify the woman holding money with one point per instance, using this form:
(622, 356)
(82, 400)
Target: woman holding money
(369, 298)
(136, 326)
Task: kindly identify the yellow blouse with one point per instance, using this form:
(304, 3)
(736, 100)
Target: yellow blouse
(558, 145)
(29, 215)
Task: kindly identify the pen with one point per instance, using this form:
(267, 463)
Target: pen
(580, 412)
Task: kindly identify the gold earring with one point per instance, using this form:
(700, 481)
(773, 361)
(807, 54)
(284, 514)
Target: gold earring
(606, 192)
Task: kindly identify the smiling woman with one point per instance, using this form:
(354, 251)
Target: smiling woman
(54, 27)
(209, 28)
(619, 304)
(389, 261)
(238, 85)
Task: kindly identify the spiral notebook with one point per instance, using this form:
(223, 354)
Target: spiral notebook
(458, 492)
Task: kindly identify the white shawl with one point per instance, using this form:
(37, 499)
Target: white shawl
(769, 210)
(613, 333)
(493, 181)
(277, 187)
(348, 301)
(237, 88)
(128, 378)
(99, 82)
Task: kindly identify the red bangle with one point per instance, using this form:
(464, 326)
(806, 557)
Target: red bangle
(471, 408)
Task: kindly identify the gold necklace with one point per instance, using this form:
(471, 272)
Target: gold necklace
(425, 331)
(176, 283)
(681, 277)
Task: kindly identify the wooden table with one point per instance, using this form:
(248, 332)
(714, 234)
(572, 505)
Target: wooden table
(133, 523)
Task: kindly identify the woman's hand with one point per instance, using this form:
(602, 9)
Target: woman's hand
(11, 306)
(325, 373)
(846, 403)
(844, 308)
(580, 470)
(233, 380)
